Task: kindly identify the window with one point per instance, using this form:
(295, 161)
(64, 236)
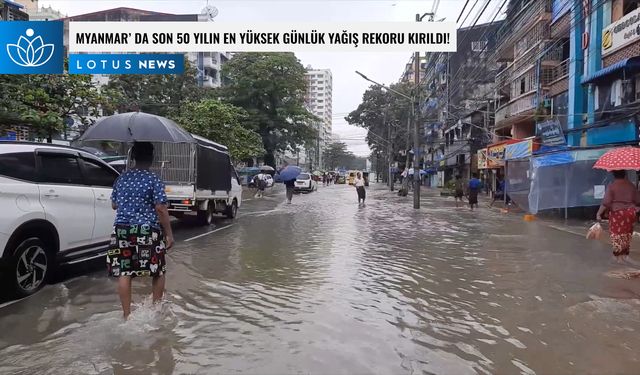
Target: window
(98, 175)
(479, 45)
(20, 165)
(60, 169)
(523, 86)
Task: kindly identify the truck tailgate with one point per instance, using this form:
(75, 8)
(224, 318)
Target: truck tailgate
(180, 191)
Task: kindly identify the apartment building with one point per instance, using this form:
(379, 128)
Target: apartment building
(319, 101)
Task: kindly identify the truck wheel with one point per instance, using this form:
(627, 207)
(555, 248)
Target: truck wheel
(29, 267)
(205, 217)
(232, 211)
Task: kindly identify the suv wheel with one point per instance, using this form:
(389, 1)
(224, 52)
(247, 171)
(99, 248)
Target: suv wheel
(30, 267)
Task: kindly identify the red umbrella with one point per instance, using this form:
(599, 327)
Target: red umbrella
(623, 158)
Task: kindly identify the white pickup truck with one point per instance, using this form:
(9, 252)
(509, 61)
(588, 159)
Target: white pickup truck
(199, 178)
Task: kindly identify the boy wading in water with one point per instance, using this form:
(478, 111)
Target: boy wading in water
(142, 232)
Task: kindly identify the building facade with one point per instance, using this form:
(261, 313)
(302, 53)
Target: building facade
(12, 11)
(319, 101)
(459, 89)
(37, 13)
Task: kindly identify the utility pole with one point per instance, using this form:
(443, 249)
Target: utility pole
(414, 115)
(389, 150)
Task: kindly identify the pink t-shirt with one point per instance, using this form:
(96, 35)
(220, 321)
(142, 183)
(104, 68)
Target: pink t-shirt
(620, 194)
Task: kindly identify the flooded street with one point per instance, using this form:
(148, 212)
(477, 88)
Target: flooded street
(323, 286)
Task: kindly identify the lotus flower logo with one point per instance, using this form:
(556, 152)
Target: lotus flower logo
(29, 51)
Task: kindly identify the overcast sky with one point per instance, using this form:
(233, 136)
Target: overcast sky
(347, 86)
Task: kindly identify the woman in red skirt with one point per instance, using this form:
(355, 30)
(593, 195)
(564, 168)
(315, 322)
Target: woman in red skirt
(620, 202)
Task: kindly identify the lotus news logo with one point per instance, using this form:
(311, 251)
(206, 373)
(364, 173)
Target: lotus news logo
(31, 47)
(30, 52)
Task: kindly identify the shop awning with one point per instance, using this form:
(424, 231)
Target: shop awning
(632, 64)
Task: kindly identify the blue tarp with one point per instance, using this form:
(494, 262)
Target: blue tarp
(517, 150)
(553, 159)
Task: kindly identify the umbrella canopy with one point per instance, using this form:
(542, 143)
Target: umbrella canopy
(137, 126)
(623, 158)
(317, 173)
(290, 173)
(266, 168)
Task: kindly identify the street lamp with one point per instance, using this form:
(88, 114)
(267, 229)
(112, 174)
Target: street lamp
(414, 104)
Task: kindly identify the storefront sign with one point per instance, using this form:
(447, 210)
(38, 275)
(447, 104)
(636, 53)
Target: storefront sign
(551, 133)
(495, 156)
(482, 158)
(621, 32)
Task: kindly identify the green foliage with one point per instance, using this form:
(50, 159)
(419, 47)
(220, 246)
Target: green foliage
(44, 101)
(379, 110)
(336, 155)
(222, 123)
(157, 94)
(271, 88)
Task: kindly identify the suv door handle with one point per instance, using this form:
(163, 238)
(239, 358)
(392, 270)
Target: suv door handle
(51, 195)
(103, 199)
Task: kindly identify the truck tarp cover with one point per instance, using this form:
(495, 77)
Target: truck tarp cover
(214, 168)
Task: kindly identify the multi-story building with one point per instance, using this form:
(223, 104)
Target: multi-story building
(319, 101)
(459, 87)
(208, 64)
(534, 61)
(12, 11)
(37, 13)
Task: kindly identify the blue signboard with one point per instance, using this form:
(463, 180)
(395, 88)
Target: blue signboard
(9, 136)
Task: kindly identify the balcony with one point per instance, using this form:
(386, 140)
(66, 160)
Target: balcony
(518, 108)
(536, 12)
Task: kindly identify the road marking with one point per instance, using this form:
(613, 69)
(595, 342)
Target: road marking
(208, 233)
(258, 213)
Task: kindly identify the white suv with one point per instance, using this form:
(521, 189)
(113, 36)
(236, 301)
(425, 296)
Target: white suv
(56, 210)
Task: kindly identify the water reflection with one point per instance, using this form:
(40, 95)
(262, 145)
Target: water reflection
(324, 286)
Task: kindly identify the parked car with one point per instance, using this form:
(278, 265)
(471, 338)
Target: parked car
(304, 182)
(57, 210)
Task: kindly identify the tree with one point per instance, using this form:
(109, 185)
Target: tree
(271, 87)
(155, 93)
(380, 110)
(222, 123)
(336, 155)
(44, 101)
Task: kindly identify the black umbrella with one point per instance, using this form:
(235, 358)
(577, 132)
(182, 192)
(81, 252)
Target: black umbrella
(137, 126)
(266, 168)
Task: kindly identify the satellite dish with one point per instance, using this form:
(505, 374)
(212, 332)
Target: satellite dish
(210, 11)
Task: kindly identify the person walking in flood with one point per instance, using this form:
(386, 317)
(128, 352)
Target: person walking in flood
(290, 185)
(260, 182)
(459, 190)
(142, 230)
(359, 184)
(620, 201)
(474, 189)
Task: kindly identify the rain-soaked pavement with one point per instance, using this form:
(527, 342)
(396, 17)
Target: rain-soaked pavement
(325, 287)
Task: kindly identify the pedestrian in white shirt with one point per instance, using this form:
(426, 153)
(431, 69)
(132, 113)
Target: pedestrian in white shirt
(359, 184)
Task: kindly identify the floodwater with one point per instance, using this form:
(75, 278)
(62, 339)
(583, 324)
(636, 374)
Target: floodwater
(323, 286)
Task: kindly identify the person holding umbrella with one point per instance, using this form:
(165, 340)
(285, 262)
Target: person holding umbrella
(142, 229)
(621, 198)
(620, 201)
(288, 175)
